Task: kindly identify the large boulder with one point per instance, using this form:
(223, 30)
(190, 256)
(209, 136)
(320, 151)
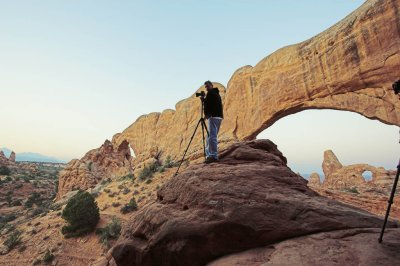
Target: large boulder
(249, 199)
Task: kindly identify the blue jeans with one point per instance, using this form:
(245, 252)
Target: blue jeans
(212, 140)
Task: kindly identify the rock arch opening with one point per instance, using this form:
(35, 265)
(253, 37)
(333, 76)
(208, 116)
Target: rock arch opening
(303, 137)
(367, 175)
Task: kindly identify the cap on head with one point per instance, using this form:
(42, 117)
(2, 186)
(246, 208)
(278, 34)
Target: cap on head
(208, 83)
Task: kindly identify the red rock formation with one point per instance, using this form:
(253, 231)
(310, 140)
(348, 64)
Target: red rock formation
(330, 163)
(8, 162)
(347, 184)
(314, 180)
(338, 176)
(12, 157)
(109, 161)
(249, 199)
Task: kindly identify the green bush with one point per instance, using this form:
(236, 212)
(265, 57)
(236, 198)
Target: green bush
(34, 198)
(48, 257)
(168, 163)
(82, 214)
(8, 179)
(7, 218)
(130, 207)
(4, 170)
(13, 240)
(106, 181)
(127, 177)
(148, 171)
(353, 190)
(111, 231)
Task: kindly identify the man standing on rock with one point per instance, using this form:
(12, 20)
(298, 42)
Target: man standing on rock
(213, 112)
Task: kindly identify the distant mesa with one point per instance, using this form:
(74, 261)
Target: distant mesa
(30, 157)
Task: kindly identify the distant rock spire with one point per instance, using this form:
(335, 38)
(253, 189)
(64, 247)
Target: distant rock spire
(331, 163)
(12, 157)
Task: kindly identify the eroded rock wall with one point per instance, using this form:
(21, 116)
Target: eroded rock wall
(108, 161)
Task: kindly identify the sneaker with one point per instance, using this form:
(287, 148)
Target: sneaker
(210, 160)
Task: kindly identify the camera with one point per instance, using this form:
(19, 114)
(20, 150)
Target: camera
(396, 87)
(202, 93)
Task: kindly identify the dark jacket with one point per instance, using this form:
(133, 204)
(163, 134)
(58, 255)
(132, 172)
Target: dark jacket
(213, 104)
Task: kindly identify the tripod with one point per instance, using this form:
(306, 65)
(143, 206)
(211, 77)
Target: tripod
(203, 126)
(390, 201)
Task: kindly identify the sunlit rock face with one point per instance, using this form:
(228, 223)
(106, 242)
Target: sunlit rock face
(108, 161)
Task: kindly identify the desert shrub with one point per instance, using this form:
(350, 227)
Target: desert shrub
(82, 214)
(8, 179)
(107, 190)
(353, 190)
(9, 199)
(48, 257)
(129, 207)
(13, 240)
(125, 190)
(111, 231)
(105, 181)
(115, 204)
(7, 218)
(17, 178)
(33, 198)
(89, 166)
(22, 248)
(121, 186)
(130, 177)
(39, 210)
(148, 181)
(148, 171)
(135, 192)
(26, 179)
(19, 185)
(56, 187)
(168, 163)
(17, 202)
(4, 170)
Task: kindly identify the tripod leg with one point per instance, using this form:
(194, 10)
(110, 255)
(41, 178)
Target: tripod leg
(390, 203)
(184, 154)
(202, 131)
(205, 126)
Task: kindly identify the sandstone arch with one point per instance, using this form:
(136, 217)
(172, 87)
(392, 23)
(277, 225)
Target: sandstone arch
(350, 66)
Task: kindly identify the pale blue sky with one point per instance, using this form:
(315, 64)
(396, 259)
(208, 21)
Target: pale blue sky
(73, 73)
